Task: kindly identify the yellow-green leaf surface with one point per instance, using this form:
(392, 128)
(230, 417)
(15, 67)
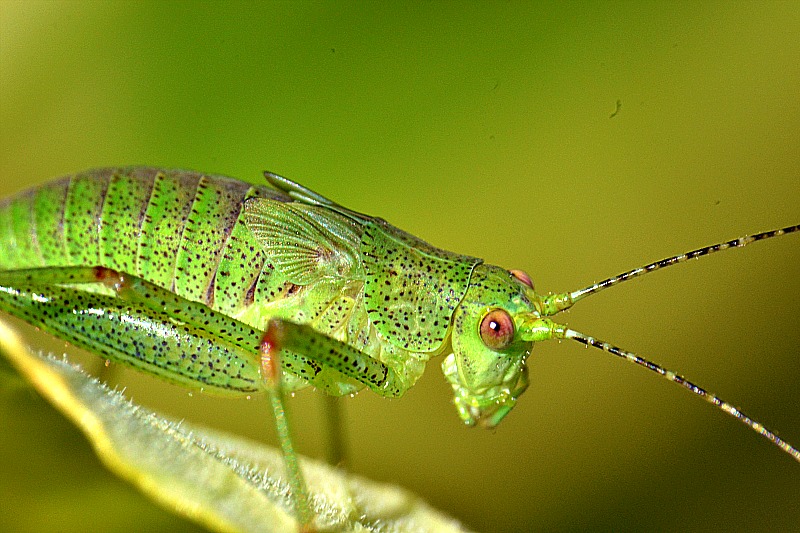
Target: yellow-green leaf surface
(222, 482)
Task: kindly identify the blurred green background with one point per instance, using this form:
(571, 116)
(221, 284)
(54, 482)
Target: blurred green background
(484, 128)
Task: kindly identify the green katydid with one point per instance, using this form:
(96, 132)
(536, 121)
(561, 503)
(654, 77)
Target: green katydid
(218, 284)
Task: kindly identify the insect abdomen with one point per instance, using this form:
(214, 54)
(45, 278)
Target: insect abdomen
(178, 229)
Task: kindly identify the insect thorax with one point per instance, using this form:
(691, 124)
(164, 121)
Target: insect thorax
(357, 279)
(335, 307)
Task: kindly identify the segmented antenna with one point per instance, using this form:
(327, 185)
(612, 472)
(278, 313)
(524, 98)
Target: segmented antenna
(555, 303)
(636, 272)
(688, 385)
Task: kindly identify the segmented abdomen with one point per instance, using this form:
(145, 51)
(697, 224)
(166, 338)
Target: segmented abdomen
(178, 229)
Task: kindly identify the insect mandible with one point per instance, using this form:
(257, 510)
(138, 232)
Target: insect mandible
(218, 284)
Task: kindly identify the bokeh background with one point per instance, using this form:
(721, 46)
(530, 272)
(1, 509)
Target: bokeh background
(484, 128)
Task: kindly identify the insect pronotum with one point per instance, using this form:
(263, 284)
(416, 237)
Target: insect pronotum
(215, 283)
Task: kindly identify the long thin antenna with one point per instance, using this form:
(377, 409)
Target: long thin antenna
(636, 272)
(688, 385)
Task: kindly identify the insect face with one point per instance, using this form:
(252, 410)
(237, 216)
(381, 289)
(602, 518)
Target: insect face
(487, 367)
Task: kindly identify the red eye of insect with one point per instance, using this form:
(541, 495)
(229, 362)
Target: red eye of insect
(497, 329)
(523, 277)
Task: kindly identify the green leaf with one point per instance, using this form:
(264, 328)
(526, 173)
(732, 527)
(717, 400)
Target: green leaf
(220, 481)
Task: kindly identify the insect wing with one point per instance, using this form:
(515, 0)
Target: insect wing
(304, 243)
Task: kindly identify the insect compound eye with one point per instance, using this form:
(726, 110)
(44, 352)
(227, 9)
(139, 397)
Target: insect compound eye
(497, 329)
(523, 277)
